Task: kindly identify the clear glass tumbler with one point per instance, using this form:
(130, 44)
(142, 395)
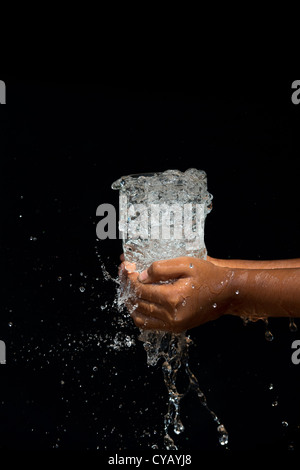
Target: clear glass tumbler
(162, 215)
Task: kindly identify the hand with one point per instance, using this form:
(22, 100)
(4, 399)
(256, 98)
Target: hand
(177, 294)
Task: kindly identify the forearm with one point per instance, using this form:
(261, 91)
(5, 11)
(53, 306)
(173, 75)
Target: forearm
(257, 293)
(256, 264)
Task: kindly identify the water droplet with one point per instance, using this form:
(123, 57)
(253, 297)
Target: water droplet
(268, 335)
(271, 386)
(223, 439)
(178, 427)
(285, 424)
(33, 239)
(237, 292)
(169, 443)
(215, 305)
(275, 403)
(191, 265)
(292, 325)
(192, 286)
(59, 278)
(95, 368)
(62, 382)
(82, 289)
(10, 324)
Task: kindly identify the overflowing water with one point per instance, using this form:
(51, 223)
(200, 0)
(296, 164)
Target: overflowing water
(150, 232)
(162, 215)
(173, 349)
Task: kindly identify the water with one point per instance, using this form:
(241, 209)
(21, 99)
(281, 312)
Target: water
(151, 231)
(292, 325)
(268, 333)
(162, 215)
(172, 350)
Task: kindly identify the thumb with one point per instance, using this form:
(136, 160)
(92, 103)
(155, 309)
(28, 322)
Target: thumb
(165, 270)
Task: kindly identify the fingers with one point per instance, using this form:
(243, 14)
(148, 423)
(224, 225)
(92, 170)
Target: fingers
(150, 309)
(155, 293)
(152, 304)
(165, 270)
(130, 267)
(125, 268)
(148, 323)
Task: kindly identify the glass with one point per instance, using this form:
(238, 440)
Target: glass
(162, 215)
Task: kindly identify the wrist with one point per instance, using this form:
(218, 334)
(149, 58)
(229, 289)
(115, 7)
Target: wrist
(224, 288)
(242, 298)
(235, 290)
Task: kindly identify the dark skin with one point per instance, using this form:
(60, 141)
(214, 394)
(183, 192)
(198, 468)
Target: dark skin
(171, 295)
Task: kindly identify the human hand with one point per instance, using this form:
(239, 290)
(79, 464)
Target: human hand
(177, 294)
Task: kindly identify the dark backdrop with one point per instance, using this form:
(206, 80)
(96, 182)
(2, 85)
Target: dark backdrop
(70, 382)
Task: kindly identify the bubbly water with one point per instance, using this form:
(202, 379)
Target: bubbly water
(162, 215)
(152, 231)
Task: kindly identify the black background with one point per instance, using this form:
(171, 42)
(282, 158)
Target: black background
(62, 145)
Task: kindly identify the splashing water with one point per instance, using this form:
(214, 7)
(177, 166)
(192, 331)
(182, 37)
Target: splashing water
(187, 194)
(173, 350)
(162, 215)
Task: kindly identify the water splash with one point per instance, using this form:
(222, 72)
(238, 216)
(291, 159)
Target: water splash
(139, 196)
(172, 349)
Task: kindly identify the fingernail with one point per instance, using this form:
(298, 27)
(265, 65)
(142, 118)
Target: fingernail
(130, 267)
(143, 276)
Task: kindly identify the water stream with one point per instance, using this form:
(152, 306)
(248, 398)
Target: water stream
(162, 216)
(172, 349)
